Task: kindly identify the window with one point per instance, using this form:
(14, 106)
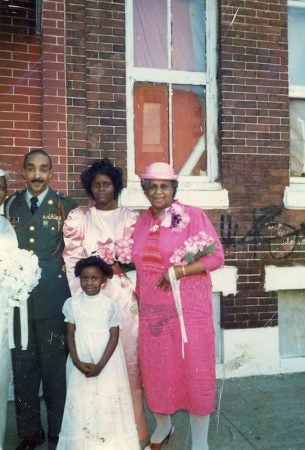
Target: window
(172, 94)
(295, 193)
(296, 45)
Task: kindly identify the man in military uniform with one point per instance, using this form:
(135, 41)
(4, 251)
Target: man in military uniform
(37, 214)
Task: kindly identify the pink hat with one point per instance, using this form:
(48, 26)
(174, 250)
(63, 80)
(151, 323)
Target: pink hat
(159, 171)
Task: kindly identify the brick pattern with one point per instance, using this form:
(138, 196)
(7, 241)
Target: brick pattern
(254, 143)
(54, 117)
(96, 85)
(20, 90)
(33, 89)
(76, 71)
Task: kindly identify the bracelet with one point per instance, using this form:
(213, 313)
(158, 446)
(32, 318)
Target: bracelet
(183, 271)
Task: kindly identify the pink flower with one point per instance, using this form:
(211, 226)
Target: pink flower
(123, 249)
(176, 258)
(193, 248)
(105, 252)
(119, 251)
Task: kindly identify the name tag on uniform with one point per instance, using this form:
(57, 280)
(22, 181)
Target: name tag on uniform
(51, 217)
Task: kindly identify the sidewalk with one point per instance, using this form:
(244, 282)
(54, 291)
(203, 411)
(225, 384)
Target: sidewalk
(263, 413)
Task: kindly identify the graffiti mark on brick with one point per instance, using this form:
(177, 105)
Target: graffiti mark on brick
(228, 230)
(266, 234)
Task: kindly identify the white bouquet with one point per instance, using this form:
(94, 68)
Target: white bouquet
(19, 274)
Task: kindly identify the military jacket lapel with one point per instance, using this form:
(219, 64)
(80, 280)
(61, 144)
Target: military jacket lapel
(20, 211)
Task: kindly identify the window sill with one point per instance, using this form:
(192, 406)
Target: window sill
(210, 196)
(284, 278)
(294, 195)
(225, 280)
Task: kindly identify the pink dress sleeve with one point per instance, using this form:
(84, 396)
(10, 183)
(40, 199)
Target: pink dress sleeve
(73, 236)
(131, 219)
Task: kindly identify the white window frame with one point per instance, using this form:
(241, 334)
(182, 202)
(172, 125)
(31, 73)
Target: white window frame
(204, 191)
(294, 195)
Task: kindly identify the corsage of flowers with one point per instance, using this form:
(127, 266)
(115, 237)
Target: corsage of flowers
(119, 251)
(19, 274)
(175, 217)
(191, 250)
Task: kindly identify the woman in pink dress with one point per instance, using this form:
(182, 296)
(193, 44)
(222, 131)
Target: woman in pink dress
(176, 333)
(95, 230)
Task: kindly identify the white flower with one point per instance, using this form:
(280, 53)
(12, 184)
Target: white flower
(19, 273)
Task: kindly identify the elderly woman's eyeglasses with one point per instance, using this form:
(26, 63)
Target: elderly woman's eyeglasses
(164, 187)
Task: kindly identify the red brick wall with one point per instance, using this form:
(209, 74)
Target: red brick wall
(20, 91)
(33, 90)
(54, 114)
(254, 126)
(254, 145)
(80, 116)
(96, 85)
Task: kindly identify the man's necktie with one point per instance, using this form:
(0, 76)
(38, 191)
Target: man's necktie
(34, 206)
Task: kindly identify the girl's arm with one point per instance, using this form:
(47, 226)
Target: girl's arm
(110, 347)
(83, 367)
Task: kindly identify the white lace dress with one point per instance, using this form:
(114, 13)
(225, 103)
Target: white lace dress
(8, 242)
(98, 412)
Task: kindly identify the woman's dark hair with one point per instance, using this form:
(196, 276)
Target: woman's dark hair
(95, 261)
(144, 185)
(103, 167)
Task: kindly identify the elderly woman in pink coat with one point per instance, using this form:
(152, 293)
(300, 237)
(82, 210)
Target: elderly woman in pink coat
(105, 229)
(175, 249)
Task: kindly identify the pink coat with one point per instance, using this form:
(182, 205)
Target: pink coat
(172, 383)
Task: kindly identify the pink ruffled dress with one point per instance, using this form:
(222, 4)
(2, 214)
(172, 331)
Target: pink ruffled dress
(172, 382)
(84, 229)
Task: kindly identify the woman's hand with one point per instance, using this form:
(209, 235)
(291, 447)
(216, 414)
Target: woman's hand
(163, 282)
(117, 270)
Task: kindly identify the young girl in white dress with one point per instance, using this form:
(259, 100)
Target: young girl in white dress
(98, 411)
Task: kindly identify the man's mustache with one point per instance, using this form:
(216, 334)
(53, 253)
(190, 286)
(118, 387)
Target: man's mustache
(35, 180)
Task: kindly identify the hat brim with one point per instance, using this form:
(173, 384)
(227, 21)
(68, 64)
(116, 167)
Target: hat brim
(150, 176)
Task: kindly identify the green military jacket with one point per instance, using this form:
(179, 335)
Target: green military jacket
(42, 233)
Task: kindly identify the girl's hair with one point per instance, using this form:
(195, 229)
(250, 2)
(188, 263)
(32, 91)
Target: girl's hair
(144, 185)
(103, 167)
(95, 261)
